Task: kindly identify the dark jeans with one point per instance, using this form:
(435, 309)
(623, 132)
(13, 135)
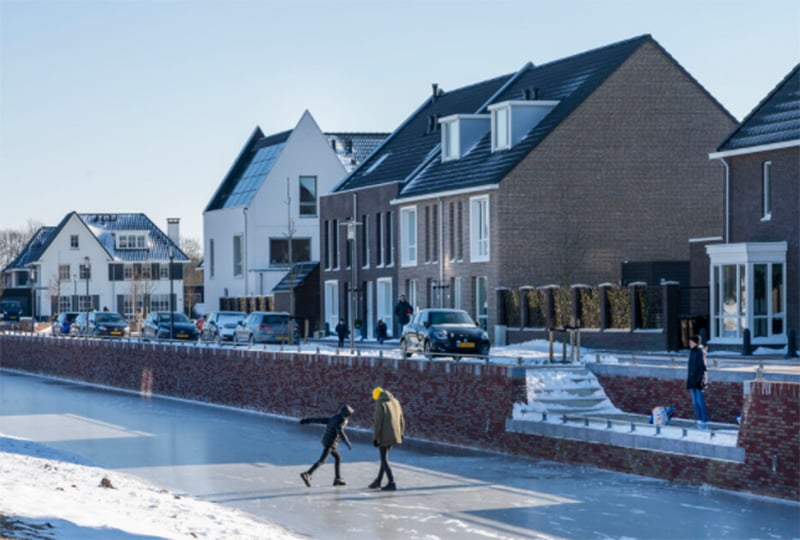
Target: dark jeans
(385, 468)
(699, 404)
(328, 451)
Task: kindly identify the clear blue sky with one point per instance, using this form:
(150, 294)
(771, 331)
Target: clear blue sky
(142, 105)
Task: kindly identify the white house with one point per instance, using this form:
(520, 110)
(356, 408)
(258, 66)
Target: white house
(95, 261)
(270, 194)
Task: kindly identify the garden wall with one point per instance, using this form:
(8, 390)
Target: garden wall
(463, 404)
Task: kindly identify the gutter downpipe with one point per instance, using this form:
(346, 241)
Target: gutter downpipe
(727, 200)
(441, 251)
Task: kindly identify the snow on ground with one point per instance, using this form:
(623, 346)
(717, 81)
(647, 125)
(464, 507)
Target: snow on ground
(45, 493)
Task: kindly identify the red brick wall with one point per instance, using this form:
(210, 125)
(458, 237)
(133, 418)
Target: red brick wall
(464, 404)
(640, 394)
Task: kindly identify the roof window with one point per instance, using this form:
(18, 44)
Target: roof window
(460, 132)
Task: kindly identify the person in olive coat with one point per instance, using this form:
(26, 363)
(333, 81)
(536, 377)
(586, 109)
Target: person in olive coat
(696, 380)
(334, 431)
(388, 431)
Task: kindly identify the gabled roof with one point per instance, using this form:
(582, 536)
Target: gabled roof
(301, 272)
(354, 148)
(413, 141)
(569, 81)
(249, 170)
(104, 228)
(775, 120)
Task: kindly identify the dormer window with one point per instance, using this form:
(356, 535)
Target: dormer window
(501, 126)
(131, 240)
(513, 120)
(460, 132)
(450, 140)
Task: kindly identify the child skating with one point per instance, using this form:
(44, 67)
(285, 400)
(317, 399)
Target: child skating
(334, 431)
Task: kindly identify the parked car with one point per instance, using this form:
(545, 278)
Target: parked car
(78, 326)
(108, 324)
(156, 326)
(266, 327)
(63, 323)
(447, 331)
(10, 310)
(220, 326)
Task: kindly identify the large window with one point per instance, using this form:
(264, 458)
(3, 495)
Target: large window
(748, 292)
(63, 272)
(308, 196)
(479, 229)
(482, 301)
(332, 304)
(279, 250)
(385, 302)
(408, 236)
(365, 232)
(238, 265)
(766, 190)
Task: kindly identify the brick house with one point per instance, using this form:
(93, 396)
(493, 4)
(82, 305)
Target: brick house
(753, 273)
(559, 174)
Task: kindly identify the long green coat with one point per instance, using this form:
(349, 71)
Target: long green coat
(389, 422)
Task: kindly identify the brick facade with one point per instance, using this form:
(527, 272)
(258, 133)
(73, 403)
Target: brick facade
(462, 404)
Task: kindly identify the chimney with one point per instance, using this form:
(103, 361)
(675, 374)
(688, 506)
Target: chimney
(435, 87)
(174, 230)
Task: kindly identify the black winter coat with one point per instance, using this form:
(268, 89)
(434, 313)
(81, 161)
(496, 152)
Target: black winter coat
(696, 370)
(334, 427)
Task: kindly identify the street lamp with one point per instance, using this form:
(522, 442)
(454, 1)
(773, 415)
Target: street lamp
(33, 298)
(171, 255)
(87, 273)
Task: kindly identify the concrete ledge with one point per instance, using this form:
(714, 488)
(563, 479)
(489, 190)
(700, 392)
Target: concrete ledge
(629, 440)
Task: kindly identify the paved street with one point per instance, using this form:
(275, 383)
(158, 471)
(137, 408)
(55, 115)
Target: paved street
(252, 462)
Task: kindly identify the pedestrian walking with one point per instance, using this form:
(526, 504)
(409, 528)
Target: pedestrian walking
(403, 311)
(334, 431)
(388, 431)
(697, 380)
(381, 331)
(341, 331)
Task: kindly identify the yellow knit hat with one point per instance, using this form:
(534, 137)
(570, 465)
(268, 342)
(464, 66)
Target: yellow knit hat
(376, 393)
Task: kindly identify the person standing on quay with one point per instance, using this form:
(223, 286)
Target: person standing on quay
(388, 431)
(696, 380)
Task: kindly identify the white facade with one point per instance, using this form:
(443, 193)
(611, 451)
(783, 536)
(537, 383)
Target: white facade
(306, 154)
(62, 284)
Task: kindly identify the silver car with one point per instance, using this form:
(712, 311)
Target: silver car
(219, 326)
(266, 327)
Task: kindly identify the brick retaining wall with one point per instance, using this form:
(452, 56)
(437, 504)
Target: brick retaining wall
(463, 404)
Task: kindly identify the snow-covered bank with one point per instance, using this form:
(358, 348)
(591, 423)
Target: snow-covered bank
(50, 494)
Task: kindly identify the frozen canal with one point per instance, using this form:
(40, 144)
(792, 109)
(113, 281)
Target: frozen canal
(252, 462)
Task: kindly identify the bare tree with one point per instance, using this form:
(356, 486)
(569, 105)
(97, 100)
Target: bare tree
(12, 242)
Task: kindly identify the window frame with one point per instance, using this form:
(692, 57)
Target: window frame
(238, 258)
(479, 229)
(499, 143)
(408, 236)
(766, 191)
(307, 204)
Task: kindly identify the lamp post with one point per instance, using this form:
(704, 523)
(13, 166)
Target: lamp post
(33, 299)
(171, 255)
(75, 305)
(87, 273)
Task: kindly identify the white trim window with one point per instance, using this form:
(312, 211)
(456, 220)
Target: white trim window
(479, 228)
(238, 256)
(408, 236)
(385, 302)
(332, 303)
(766, 191)
(458, 293)
(748, 291)
(501, 128)
(450, 142)
(308, 196)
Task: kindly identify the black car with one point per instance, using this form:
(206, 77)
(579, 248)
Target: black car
(443, 331)
(157, 326)
(10, 310)
(62, 323)
(107, 324)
